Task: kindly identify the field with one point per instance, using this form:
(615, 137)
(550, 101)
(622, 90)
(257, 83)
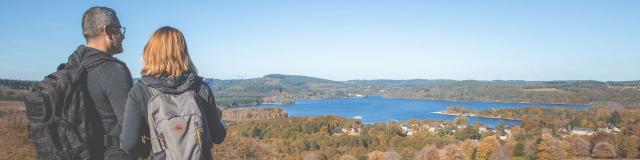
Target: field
(14, 139)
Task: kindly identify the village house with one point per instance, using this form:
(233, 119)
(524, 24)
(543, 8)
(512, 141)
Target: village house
(483, 129)
(581, 131)
(610, 129)
(606, 130)
(434, 129)
(563, 130)
(507, 134)
(353, 131)
(615, 129)
(407, 130)
(338, 131)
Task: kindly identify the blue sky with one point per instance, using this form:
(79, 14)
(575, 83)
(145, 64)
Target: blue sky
(353, 39)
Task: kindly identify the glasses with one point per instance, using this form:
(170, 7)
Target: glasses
(123, 30)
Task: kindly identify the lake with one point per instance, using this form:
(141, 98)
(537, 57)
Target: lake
(379, 109)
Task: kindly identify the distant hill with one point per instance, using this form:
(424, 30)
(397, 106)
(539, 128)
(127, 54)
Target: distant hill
(280, 88)
(611, 93)
(274, 88)
(295, 79)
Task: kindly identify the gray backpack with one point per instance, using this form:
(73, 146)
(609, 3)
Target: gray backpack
(178, 126)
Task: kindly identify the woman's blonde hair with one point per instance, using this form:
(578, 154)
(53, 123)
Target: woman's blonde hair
(166, 54)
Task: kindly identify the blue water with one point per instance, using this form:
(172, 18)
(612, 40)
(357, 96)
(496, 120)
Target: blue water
(378, 109)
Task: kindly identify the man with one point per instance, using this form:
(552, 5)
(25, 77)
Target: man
(108, 83)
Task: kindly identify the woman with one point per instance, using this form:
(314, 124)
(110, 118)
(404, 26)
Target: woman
(168, 72)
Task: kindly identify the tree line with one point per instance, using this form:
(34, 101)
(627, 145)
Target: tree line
(596, 93)
(15, 89)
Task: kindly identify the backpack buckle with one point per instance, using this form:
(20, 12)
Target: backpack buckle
(109, 140)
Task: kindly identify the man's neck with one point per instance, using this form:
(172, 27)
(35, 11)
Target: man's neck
(98, 46)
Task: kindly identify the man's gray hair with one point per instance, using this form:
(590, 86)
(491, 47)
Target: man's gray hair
(95, 18)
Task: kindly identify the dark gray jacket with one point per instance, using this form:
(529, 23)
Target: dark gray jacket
(108, 84)
(135, 124)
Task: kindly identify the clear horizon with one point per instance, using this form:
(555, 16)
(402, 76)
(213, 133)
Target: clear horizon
(350, 40)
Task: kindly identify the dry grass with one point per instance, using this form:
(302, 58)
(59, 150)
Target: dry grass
(14, 91)
(11, 106)
(14, 139)
(8, 108)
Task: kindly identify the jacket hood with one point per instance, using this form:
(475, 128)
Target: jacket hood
(174, 85)
(83, 53)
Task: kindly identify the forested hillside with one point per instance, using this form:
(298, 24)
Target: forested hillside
(276, 88)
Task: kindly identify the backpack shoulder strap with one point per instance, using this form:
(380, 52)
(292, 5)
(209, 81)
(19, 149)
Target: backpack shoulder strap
(152, 91)
(155, 137)
(197, 89)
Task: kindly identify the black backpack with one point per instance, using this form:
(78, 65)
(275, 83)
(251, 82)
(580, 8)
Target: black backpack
(60, 112)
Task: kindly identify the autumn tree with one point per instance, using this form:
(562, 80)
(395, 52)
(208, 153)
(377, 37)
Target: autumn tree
(429, 152)
(499, 153)
(615, 118)
(469, 132)
(604, 150)
(486, 147)
(348, 157)
(500, 129)
(391, 155)
(469, 147)
(633, 129)
(240, 148)
(309, 156)
(579, 147)
(630, 146)
(545, 147)
(563, 147)
(598, 137)
(376, 155)
(518, 150)
(548, 148)
(461, 120)
(453, 152)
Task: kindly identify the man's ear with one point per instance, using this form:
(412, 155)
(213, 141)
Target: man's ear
(107, 32)
(104, 32)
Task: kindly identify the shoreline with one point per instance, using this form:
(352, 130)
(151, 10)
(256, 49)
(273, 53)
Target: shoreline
(427, 99)
(532, 103)
(585, 106)
(473, 115)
